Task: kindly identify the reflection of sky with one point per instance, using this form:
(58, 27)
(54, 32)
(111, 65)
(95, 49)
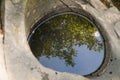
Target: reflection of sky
(86, 61)
(97, 35)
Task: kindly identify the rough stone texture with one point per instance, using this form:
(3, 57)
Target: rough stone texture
(3, 73)
(20, 63)
(20, 16)
(117, 28)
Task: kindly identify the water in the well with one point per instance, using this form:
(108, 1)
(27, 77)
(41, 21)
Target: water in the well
(68, 43)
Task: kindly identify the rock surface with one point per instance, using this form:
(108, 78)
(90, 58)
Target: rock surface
(16, 59)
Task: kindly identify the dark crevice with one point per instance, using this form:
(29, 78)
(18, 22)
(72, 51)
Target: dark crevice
(65, 4)
(118, 36)
(110, 72)
(116, 3)
(106, 3)
(76, 4)
(88, 2)
(110, 3)
(0, 19)
(1, 30)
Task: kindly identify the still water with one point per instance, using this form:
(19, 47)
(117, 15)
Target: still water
(68, 43)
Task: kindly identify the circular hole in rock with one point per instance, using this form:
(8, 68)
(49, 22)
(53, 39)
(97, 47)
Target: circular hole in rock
(68, 43)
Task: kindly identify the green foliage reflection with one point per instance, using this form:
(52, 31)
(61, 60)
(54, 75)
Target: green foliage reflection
(58, 36)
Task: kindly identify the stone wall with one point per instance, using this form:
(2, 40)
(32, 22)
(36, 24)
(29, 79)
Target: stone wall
(18, 17)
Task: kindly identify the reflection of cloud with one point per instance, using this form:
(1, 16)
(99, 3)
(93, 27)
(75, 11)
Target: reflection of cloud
(83, 61)
(96, 34)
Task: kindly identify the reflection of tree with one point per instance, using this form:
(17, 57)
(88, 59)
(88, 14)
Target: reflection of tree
(58, 36)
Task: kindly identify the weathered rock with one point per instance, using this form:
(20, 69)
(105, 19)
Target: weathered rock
(20, 15)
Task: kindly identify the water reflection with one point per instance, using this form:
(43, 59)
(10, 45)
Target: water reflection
(68, 43)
